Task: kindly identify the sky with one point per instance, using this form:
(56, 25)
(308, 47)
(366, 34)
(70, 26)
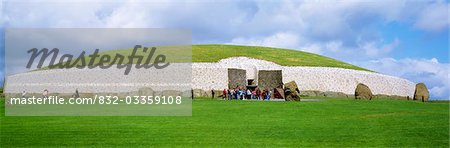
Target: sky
(408, 39)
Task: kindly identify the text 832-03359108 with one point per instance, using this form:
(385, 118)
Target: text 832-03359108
(140, 100)
(98, 99)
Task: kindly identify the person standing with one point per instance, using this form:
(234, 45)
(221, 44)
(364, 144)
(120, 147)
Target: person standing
(261, 95)
(192, 94)
(24, 94)
(243, 93)
(268, 93)
(253, 94)
(212, 93)
(45, 93)
(224, 94)
(258, 93)
(77, 95)
(238, 93)
(230, 94)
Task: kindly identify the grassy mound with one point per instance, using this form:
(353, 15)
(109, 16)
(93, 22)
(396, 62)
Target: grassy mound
(326, 123)
(216, 52)
(285, 57)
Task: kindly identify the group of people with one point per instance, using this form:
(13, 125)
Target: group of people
(243, 94)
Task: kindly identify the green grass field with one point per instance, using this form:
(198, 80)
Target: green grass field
(327, 123)
(216, 52)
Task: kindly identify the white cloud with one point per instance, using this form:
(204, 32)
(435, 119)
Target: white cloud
(334, 48)
(52, 14)
(313, 19)
(374, 49)
(435, 17)
(281, 40)
(430, 71)
(342, 30)
(226, 20)
(314, 48)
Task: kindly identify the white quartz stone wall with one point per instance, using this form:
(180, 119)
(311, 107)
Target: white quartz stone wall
(209, 76)
(204, 76)
(346, 80)
(173, 77)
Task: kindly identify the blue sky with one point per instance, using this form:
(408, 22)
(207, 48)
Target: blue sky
(408, 39)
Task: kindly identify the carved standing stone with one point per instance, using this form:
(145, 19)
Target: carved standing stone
(363, 92)
(421, 92)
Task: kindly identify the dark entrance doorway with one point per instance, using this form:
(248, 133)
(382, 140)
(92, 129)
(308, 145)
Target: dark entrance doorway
(251, 84)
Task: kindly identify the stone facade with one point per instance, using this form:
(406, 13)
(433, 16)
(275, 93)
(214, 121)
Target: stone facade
(270, 79)
(206, 77)
(236, 77)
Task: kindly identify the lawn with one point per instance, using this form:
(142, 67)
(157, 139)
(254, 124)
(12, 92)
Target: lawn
(330, 122)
